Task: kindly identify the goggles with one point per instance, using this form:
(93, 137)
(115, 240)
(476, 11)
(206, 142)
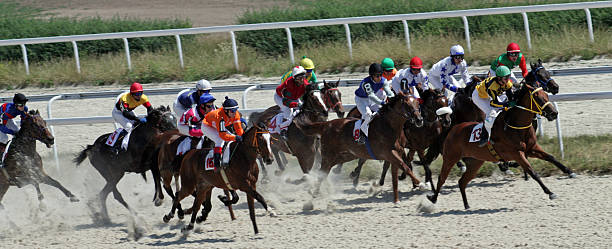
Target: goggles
(309, 70)
(513, 54)
(203, 91)
(20, 104)
(458, 57)
(210, 106)
(137, 94)
(231, 110)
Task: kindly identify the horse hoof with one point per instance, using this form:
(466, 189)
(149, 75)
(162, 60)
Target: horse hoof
(572, 175)
(463, 169)
(337, 170)
(552, 196)
(431, 198)
(278, 172)
(187, 228)
(200, 219)
(181, 214)
(158, 202)
(167, 218)
(74, 199)
(271, 213)
(509, 172)
(402, 177)
(423, 186)
(353, 174)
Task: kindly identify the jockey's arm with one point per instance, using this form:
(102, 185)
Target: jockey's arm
(494, 102)
(223, 133)
(387, 89)
(523, 66)
(125, 111)
(238, 125)
(5, 129)
(371, 94)
(465, 75)
(149, 107)
(447, 81)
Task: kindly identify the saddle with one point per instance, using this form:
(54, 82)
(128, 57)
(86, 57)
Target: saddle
(115, 139)
(226, 154)
(187, 143)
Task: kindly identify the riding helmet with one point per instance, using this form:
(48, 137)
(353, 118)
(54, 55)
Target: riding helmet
(307, 63)
(205, 98)
(502, 71)
(19, 98)
(375, 69)
(456, 50)
(136, 87)
(387, 64)
(416, 62)
(513, 48)
(229, 104)
(297, 71)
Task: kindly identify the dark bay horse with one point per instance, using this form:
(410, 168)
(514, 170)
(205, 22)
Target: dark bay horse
(241, 174)
(512, 137)
(140, 157)
(23, 163)
(298, 144)
(339, 146)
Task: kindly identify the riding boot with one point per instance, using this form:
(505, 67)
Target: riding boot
(484, 138)
(362, 138)
(283, 134)
(217, 161)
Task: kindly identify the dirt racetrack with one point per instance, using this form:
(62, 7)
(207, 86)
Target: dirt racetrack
(506, 211)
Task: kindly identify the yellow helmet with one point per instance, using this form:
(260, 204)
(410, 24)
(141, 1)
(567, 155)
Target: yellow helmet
(307, 63)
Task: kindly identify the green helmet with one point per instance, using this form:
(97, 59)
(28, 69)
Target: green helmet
(387, 64)
(502, 71)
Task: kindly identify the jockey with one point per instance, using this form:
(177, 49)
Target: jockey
(411, 79)
(389, 70)
(8, 111)
(510, 59)
(491, 96)
(288, 95)
(190, 98)
(370, 96)
(441, 73)
(214, 126)
(308, 65)
(123, 113)
(191, 121)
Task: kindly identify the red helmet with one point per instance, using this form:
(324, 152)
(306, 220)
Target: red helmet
(416, 62)
(136, 87)
(513, 47)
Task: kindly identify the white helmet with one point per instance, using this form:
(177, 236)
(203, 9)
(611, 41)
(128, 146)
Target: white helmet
(298, 70)
(203, 85)
(456, 50)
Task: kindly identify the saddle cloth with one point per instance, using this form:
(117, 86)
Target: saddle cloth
(114, 137)
(274, 125)
(209, 164)
(185, 146)
(475, 134)
(357, 129)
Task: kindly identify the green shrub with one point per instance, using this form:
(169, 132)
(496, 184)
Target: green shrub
(275, 41)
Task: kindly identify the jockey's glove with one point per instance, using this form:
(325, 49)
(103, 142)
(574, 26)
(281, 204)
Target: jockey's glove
(510, 104)
(293, 104)
(238, 138)
(143, 120)
(452, 88)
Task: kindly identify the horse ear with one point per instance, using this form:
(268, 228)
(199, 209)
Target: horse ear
(261, 125)
(37, 112)
(533, 66)
(337, 83)
(539, 62)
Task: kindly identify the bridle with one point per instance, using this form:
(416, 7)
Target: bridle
(328, 100)
(534, 107)
(543, 83)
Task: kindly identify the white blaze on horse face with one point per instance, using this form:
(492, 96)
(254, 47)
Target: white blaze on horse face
(266, 136)
(318, 95)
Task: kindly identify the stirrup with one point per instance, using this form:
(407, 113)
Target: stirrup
(362, 138)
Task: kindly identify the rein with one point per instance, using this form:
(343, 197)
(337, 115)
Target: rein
(538, 109)
(328, 100)
(539, 79)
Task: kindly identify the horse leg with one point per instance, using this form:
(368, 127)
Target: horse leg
(527, 167)
(383, 174)
(200, 196)
(357, 171)
(207, 207)
(263, 166)
(394, 173)
(4, 186)
(228, 202)
(447, 165)
(279, 162)
(37, 187)
(52, 182)
(119, 198)
(185, 190)
(408, 158)
(159, 196)
(538, 152)
(399, 161)
(428, 175)
(472, 168)
(252, 211)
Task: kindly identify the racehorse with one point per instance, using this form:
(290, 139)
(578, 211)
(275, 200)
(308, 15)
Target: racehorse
(241, 174)
(23, 163)
(300, 145)
(512, 139)
(333, 98)
(464, 110)
(338, 143)
(140, 157)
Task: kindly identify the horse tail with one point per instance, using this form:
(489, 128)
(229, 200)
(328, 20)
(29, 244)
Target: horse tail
(144, 176)
(82, 155)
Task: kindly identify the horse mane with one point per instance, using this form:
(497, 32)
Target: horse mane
(387, 106)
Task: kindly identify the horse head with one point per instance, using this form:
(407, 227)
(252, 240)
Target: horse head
(259, 137)
(407, 106)
(435, 106)
(35, 127)
(162, 118)
(313, 101)
(333, 97)
(540, 77)
(535, 100)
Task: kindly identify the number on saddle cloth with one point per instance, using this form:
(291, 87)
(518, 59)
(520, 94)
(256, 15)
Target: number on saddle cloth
(209, 164)
(357, 129)
(115, 137)
(274, 125)
(475, 134)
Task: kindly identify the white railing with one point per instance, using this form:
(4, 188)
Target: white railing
(310, 23)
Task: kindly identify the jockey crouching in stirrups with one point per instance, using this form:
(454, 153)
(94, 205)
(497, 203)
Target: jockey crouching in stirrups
(512, 58)
(491, 96)
(441, 73)
(187, 99)
(412, 79)
(8, 111)
(214, 127)
(288, 95)
(370, 96)
(123, 113)
(190, 123)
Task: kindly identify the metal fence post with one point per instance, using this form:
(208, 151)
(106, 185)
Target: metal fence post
(540, 127)
(25, 58)
(244, 95)
(179, 47)
(76, 56)
(235, 50)
(526, 23)
(348, 40)
(290, 44)
(589, 24)
(127, 53)
(407, 35)
(466, 27)
(52, 131)
(559, 133)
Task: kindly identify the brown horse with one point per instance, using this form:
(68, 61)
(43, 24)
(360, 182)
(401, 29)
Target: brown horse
(302, 146)
(339, 146)
(23, 163)
(241, 174)
(512, 138)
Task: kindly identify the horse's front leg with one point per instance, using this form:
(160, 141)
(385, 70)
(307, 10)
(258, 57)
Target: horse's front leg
(52, 182)
(522, 160)
(400, 162)
(538, 152)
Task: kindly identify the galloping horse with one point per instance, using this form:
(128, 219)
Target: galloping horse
(241, 174)
(140, 157)
(302, 146)
(23, 163)
(512, 139)
(464, 110)
(338, 144)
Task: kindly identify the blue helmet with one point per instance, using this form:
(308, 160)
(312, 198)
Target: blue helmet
(230, 104)
(205, 98)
